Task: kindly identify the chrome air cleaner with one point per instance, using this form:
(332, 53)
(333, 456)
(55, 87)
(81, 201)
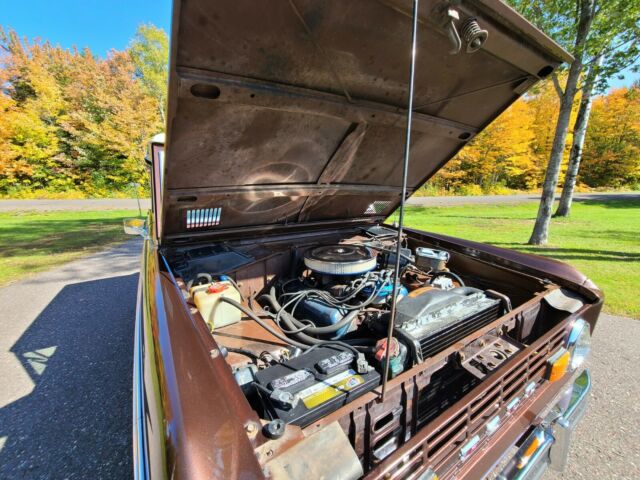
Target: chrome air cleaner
(340, 259)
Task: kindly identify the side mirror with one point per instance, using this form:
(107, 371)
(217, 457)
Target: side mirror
(135, 226)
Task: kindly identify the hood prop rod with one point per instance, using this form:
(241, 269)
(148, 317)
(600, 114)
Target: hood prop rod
(405, 172)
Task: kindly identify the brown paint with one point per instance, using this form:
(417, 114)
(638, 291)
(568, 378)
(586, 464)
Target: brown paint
(260, 125)
(287, 113)
(182, 352)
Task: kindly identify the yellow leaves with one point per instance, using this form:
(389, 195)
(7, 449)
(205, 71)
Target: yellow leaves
(6, 131)
(512, 152)
(72, 120)
(612, 147)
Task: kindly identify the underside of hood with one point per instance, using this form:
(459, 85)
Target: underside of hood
(291, 113)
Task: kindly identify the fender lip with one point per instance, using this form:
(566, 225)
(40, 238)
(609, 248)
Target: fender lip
(547, 269)
(543, 267)
(139, 436)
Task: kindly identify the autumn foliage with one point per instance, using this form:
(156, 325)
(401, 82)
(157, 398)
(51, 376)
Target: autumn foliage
(612, 148)
(71, 122)
(512, 153)
(74, 124)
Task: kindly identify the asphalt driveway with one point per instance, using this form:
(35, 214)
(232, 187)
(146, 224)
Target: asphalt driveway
(66, 347)
(65, 363)
(132, 204)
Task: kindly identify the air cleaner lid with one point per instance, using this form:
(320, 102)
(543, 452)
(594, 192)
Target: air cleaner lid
(340, 259)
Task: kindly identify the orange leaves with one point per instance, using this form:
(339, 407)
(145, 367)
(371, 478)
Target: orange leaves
(612, 147)
(70, 120)
(512, 153)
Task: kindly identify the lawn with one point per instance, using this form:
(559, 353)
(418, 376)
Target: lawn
(31, 242)
(601, 239)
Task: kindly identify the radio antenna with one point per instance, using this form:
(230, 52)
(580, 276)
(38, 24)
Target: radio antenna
(405, 172)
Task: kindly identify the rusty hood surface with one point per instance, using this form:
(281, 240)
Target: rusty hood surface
(291, 113)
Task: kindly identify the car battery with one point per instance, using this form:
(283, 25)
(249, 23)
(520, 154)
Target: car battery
(313, 384)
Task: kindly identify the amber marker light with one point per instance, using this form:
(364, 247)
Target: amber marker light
(537, 440)
(558, 364)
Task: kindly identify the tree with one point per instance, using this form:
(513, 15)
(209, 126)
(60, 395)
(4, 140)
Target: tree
(588, 28)
(579, 134)
(613, 45)
(558, 17)
(32, 77)
(612, 148)
(111, 119)
(149, 50)
(71, 121)
(510, 153)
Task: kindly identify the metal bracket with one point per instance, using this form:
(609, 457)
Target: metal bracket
(487, 354)
(450, 16)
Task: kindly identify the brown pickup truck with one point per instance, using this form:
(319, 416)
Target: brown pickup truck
(265, 341)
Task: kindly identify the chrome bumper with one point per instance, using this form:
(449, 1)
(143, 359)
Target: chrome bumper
(548, 444)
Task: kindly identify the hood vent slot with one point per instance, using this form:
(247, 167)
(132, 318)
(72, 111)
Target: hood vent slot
(378, 207)
(203, 217)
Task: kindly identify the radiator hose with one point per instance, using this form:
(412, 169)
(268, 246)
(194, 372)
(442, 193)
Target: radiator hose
(296, 325)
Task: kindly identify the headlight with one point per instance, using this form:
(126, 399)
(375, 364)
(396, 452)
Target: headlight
(579, 343)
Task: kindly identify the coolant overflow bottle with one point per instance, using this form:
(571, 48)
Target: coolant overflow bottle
(216, 313)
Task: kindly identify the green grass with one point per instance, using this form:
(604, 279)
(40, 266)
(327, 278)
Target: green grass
(31, 242)
(601, 239)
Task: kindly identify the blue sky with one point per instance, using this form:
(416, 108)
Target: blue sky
(102, 25)
(98, 24)
(629, 78)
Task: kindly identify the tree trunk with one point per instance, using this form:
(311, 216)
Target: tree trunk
(540, 233)
(579, 134)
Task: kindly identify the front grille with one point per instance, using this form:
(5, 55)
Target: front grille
(448, 426)
(433, 344)
(445, 388)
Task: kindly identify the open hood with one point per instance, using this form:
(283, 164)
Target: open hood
(291, 113)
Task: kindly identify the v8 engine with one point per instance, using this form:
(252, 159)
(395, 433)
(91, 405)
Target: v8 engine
(334, 310)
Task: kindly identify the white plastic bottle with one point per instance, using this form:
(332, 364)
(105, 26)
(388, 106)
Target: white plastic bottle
(215, 312)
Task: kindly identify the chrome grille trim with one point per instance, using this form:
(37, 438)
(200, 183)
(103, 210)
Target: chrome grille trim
(436, 445)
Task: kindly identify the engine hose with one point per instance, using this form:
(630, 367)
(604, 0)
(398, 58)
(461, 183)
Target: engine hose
(301, 337)
(233, 282)
(260, 322)
(447, 274)
(206, 276)
(242, 351)
(290, 325)
(278, 335)
(292, 332)
(293, 324)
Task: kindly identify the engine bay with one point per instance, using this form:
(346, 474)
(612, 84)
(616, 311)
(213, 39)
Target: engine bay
(303, 325)
(304, 329)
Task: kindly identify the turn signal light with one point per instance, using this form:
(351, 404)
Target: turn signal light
(536, 442)
(558, 364)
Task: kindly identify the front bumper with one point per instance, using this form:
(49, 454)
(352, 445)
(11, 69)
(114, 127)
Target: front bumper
(548, 444)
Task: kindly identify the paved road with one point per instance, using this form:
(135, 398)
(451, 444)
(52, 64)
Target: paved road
(90, 204)
(65, 363)
(131, 204)
(512, 199)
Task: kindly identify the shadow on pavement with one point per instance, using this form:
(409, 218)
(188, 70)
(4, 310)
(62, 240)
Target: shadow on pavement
(76, 423)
